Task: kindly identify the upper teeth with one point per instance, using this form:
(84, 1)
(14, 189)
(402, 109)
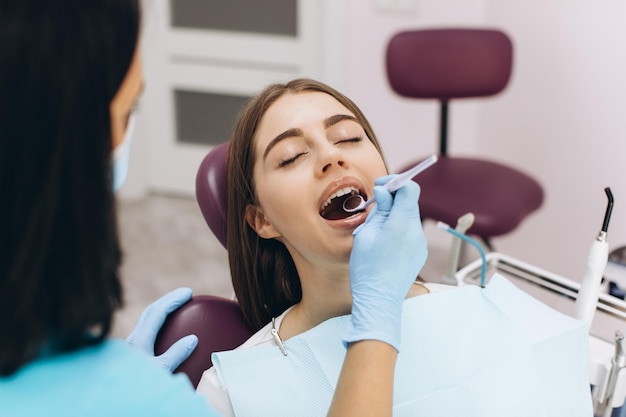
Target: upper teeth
(339, 193)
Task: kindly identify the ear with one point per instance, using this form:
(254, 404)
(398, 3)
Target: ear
(259, 223)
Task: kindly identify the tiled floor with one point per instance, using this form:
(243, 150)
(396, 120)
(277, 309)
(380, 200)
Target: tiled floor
(167, 245)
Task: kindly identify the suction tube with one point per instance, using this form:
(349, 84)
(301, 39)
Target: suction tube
(463, 224)
(483, 271)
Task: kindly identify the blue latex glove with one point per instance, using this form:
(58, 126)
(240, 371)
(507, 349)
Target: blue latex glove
(145, 332)
(388, 253)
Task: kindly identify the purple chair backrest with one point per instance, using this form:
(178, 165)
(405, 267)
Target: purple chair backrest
(449, 63)
(218, 323)
(212, 190)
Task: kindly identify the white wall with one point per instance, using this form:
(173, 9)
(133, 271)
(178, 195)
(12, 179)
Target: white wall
(562, 118)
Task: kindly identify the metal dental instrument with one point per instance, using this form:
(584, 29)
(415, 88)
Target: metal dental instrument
(604, 398)
(587, 298)
(357, 203)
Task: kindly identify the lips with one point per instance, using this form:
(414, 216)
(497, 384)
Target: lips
(332, 207)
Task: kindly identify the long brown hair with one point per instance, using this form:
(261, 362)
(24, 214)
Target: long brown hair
(264, 276)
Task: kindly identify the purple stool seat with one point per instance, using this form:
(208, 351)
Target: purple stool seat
(500, 197)
(218, 323)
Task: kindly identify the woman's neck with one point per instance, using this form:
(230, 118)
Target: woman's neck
(325, 294)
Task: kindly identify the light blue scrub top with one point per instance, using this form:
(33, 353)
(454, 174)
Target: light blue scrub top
(111, 379)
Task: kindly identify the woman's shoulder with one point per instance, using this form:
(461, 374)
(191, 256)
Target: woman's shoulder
(209, 385)
(436, 287)
(421, 288)
(264, 335)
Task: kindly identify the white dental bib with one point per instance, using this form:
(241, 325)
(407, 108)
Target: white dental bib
(464, 352)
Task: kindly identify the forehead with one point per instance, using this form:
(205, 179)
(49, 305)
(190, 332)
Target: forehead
(298, 111)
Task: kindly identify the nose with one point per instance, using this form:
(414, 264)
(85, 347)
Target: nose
(328, 166)
(330, 157)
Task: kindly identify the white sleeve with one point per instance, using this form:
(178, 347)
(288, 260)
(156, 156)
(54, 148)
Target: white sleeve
(217, 396)
(434, 287)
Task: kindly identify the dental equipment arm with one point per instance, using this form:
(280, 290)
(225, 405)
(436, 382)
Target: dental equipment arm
(388, 253)
(604, 393)
(147, 328)
(587, 299)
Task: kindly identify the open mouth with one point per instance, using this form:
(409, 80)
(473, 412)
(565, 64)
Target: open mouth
(332, 209)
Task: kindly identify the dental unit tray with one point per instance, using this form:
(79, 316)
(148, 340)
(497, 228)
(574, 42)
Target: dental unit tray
(560, 293)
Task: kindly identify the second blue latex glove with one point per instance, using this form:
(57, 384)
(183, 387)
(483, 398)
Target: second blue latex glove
(388, 253)
(147, 328)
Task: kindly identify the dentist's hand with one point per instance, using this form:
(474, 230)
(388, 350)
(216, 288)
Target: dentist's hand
(388, 253)
(147, 328)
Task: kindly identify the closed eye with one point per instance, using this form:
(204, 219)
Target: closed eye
(289, 161)
(351, 140)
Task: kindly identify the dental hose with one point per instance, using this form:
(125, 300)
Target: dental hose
(483, 271)
(462, 225)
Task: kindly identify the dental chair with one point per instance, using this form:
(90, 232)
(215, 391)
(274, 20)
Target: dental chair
(218, 322)
(212, 190)
(446, 64)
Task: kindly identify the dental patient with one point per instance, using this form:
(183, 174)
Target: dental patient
(299, 150)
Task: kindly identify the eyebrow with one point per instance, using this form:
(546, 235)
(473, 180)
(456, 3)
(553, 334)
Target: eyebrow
(333, 120)
(286, 134)
(290, 133)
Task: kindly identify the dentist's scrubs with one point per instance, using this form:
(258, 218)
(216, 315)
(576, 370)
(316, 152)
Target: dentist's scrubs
(110, 379)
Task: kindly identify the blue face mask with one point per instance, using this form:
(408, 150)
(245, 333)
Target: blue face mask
(121, 154)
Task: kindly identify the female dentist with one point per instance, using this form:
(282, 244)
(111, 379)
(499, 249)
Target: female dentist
(70, 76)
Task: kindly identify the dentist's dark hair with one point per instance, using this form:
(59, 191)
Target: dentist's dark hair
(263, 273)
(61, 63)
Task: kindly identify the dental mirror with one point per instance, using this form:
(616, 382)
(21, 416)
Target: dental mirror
(357, 203)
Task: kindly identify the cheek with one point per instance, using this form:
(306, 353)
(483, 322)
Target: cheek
(280, 197)
(379, 167)
(374, 161)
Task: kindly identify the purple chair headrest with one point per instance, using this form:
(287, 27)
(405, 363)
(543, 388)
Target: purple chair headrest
(212, 190)
(449, 63)
(218, 323)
